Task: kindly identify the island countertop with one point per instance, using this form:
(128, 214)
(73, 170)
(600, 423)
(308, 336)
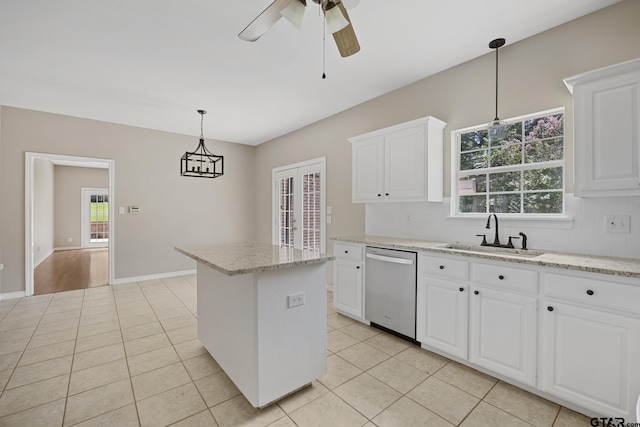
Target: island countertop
(251, 257)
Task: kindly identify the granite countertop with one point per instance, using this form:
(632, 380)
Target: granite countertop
(595, 264)
(250, 257)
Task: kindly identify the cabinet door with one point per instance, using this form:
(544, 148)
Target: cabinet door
(591, 358)
(607, 131)
(368, 170)
(405, 164)
(442, 315)
(503, 333)
(347, 291)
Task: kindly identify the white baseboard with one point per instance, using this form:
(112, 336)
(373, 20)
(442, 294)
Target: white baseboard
(12, 295)
(153, 277)
(68, 248)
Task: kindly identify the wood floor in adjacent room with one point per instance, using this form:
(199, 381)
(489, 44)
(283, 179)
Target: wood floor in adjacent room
(72, 269)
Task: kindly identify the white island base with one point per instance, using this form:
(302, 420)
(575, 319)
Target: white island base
(268, 349)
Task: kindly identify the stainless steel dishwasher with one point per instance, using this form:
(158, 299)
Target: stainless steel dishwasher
(390, 290)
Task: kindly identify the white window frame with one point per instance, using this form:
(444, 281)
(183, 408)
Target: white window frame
(455, 171)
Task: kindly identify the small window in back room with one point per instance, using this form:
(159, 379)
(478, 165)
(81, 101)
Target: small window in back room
(520, 174)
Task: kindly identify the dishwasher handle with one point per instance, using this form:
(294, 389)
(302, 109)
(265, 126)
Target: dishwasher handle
(390, 259)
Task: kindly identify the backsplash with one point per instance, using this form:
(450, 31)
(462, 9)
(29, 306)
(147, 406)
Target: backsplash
(584, 235)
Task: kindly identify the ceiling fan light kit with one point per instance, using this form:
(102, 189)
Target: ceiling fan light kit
(336, 18)
(201, 163)
(294, 12)
(496, 127)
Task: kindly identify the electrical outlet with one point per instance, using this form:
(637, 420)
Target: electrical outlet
(70, 239)
(295, 300)
(617, 224)
(1, 266)
(328, 219)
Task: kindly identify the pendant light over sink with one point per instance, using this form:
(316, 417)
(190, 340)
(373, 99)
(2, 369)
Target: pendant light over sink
(496, 127)
(201, 163)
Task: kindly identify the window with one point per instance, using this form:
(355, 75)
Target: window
(520, 174)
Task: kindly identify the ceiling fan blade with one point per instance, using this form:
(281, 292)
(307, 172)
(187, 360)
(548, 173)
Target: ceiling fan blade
(264, 21)
(346, 39)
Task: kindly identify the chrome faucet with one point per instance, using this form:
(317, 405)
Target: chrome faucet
(496, 241)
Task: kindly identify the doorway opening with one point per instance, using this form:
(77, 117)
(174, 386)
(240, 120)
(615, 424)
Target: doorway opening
(299, 212)
(77, 261)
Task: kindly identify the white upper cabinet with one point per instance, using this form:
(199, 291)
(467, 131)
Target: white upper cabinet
(607, 130)
(402, 163)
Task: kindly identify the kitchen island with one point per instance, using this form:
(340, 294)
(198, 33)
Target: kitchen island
(262, 315)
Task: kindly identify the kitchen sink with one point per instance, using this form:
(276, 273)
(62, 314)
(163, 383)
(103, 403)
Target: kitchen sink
(518, 253)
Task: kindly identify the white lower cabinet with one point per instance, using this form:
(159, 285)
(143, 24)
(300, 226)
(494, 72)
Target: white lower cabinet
(442, 321)
(502, 335)
(348, 290)
(591, 358)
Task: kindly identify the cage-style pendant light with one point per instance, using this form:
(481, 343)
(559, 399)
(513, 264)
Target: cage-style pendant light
(496, 127)
(201, 163)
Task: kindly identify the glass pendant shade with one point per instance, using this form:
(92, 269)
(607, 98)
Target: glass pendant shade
(335, 20)
(294, 12)
(496, 130)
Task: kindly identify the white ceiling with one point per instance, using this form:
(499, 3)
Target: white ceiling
(153, 63)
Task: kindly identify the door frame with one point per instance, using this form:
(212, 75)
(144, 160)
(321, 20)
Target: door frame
(320, 161)
(29, 246)
(83, 218)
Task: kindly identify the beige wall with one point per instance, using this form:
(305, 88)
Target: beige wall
(175, 210)
(531, 73)
(68, 182)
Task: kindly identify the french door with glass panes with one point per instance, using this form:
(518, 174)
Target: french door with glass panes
(299, 206)
(95, 218)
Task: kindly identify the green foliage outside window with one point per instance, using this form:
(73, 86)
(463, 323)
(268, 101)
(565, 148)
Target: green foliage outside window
(521, 173)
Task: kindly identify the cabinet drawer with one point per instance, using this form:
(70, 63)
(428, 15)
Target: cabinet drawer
(348, 252)
(505, 277)
(598, 293)
(444, 267)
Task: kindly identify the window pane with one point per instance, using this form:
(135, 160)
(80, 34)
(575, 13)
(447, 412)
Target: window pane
(472, 184)
(543, 202)
(473, 204)
(543, 179)
(509, 153)
(473, 160)
(504, 203)
(505, 181)
(474, 140)
(544, 127)
(543, 151)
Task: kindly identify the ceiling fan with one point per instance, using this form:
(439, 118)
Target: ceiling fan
(335, 13)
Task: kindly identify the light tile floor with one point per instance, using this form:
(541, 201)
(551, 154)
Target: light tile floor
(128, 355)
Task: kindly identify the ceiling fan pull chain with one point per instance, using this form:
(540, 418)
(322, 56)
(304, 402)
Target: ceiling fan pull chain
(324, 48)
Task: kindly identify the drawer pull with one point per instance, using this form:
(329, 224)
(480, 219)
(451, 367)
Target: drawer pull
(501, 277)
(358, 267)
(550, 308)
(442, 267)
(589, 292)
(461, 289)
(379, 195)
(386, 194)
(476, 292)
(346, 252)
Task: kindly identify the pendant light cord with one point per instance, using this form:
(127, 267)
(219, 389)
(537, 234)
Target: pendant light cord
(497, 48)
